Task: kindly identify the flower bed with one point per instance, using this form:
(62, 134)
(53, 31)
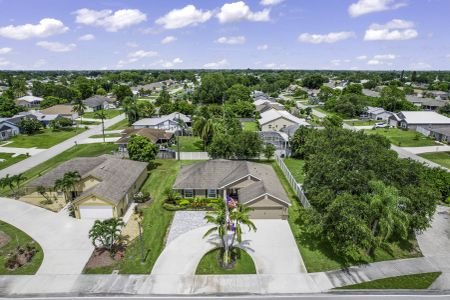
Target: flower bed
(197, 203)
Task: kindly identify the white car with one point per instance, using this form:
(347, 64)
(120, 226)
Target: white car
(380, 125)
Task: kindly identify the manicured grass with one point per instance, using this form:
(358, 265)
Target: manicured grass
(9, 160)
(189, 144)
(416, 282)
(107, 135)
(19, 237)
(403, 138)
(88, 122)
(155, 224)
(296, 168)
(361, 122)
(47, 138)
(109, 114)
(119, 125)
(76, 151)
(317, 255)
(250, 126)
(209, 264)
(441, 158)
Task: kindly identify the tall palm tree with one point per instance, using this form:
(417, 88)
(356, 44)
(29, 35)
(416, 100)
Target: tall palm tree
(240, 216)
(17, 180)
(79, 107)
(67, 184)
(218, 217)
(101, 115)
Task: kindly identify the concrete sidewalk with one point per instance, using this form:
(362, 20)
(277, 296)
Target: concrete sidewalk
(427, 149)
(402, 153)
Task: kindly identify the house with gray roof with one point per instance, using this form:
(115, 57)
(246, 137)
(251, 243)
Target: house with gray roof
(106, 188)
(29, 101)
(98, 102)
(413, 119)
(171, 123)
(252, 184)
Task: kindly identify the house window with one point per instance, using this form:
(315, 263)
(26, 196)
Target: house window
(188, 193)
(212, 193)
(270, 126)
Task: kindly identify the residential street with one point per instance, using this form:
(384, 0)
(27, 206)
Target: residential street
(41, 157)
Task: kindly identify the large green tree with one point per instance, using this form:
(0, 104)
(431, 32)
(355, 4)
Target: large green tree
(141, 149)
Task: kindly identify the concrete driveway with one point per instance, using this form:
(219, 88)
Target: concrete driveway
(435, 241)
(272, 248)
(63, 239)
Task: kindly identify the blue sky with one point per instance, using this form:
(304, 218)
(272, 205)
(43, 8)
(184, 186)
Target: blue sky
(279, 34)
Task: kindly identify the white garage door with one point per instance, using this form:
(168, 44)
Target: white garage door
(96, 212)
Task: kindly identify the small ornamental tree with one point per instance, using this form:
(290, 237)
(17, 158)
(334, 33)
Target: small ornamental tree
(141, 149)
(269, 151)
(106, 233)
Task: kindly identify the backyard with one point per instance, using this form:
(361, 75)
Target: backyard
(189, 144)
(296, 168)
(403, 138)
(441, 158)
(109, 114)
(7, 159)
(361, 122)
(10, 238)
(45, 139)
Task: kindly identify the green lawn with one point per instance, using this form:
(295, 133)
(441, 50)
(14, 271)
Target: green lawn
(416, 282)
(76, 151)
(296, 168)
(403, 138)
(441, 158)
(109, 114)
(119, 125)
(9, 160)
(318, 256)
(107, 135)
(19, 237)
(209, 264)
(250, 126)
(88, 122)
(155, 224)
(189, 144)
(361, 122)
(47, 138)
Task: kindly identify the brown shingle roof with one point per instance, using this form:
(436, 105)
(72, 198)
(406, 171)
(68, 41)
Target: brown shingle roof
(59, 109)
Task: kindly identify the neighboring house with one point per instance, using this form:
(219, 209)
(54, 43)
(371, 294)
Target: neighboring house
(29, 101)
(156, 136)
(441, 134)
(168, 123)
(64, 110)
(377, 113)
(439, 95)
(371, 93)
(425, 119)
(265, 105)
(98, 102)
(252, 184)
(107, 187)
(46, 119)
(426, 103)
(275, 120)
(277, 138)
(8, 130)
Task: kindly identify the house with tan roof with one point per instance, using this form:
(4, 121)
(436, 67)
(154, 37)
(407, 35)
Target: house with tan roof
(106, 189)
(275, 120)
(156, 136)
(252, 184)
(64, 110)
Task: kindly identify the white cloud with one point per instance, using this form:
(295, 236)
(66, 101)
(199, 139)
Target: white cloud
(142, 54)
(56, 46)
(270, 2)
(40, 63)
(168, 39)
(4, 62)
(87, 37)
(239, 11)
(109, 20)
(361, 57)
(170, 64)
(270, 65)
(394, 30)
(231, 40)
(331, 37)
(420, 65)
(186, 16)
(382, 59)
(338, 62)
(5, 50)
(385, 56)
(262, 47)
(45, 28)
(132, 45)
(215, 65)
(363, 7)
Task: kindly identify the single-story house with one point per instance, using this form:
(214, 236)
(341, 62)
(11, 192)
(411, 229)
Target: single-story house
(441, 134)
(8, 130)
(265, 105)
(412, 119)
(426, 103)
(275, 120)
(168, 123)
(252, 184)
(107, 186)
(64, 110)
(156, 136)
(371, 93)
(29, 101)
(98, 102)
(377, 113)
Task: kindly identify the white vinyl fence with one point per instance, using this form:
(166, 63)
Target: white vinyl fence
(193, 156)
(292, 182)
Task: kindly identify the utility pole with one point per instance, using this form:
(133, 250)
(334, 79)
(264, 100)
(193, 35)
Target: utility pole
(178, 136)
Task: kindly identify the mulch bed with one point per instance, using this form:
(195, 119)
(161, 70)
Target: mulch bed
(4, 239)
(102, 258)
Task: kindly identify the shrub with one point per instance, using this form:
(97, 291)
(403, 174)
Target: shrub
(184, 202)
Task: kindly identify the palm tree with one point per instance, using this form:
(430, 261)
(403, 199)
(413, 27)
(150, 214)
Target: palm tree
(240, 215)
(106, 233)
(388, 214)
(67, 184)
(218, 217)
(79, 107)
(17, 180)
(43, 192)
(101, 115)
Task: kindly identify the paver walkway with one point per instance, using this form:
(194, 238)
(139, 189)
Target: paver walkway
(64, 240)
(43, 156)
